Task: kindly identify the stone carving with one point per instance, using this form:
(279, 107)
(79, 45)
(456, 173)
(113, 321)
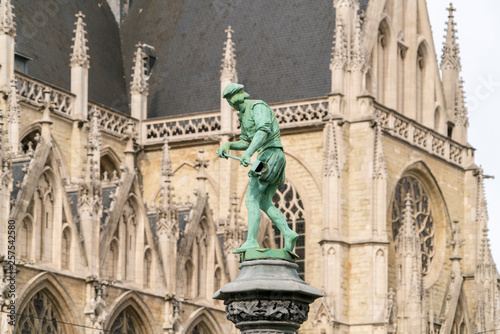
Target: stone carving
(259, 133)
(229, 61)
(440, 146)
(255, 310)
(7, 24)
(339, 54)
(139, 82)
(79, 57)
(450, 58)
(331, 166)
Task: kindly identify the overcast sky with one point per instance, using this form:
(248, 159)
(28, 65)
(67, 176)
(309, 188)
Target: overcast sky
(479, 37)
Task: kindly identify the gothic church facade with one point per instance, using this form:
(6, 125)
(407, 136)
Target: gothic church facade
(125, 219)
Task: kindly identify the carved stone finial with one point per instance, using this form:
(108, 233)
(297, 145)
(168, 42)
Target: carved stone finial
(358, 60)
(461, 114)
(47, 107)
(379, 163)
(451, 57)
(7, 24)
(166, 164)
(130, 135)
(94, 146)
(339, 54)
(13, 115)
(80, 57)
(455, 242)
(201, 164)
(407, 240)
(481, 204)
(331, 155)
(139, 83)
(229, 61)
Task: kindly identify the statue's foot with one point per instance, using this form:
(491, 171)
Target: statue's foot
(290, 241)
(247, 246)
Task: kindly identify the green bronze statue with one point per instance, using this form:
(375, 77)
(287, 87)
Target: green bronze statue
(259, 133)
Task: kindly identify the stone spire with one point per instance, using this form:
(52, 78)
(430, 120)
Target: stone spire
(46, 121)
(7, 45)
(409, 289)
(357, 55)
(339, 54)
(167, 226)
(130, 135)
(94, 148)
(166, 221)
(487, 311)
(90, 188)
(481, 205)
(228, 75)
(13, 118)
(139, 83)
(339, 58)
(229, 61)
(201, 164)
(461, 116)
(451, 57)
(79, 57)
(379, 162)
(331, 166)
(407, 241)
(7, 24)
(233, 237)
(450, 66)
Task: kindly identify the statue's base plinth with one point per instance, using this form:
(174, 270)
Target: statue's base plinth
(267, 253)
(268, 295)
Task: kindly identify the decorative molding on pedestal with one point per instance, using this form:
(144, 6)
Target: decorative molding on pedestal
(268, 296)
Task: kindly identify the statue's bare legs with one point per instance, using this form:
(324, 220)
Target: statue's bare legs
(259, 197)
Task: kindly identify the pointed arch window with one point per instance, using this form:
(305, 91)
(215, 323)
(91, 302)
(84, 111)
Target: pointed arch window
(127, 322)
(39, 316)
(288, 201)
(422, 212)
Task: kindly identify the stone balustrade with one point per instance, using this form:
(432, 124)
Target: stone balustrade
(425, 138)
(111, 122)
(31, 90)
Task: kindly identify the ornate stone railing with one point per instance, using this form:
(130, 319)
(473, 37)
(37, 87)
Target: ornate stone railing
(289, 115)
(181, 127)
(112, 122)
(422, 137)
(31, 91)
(301, 113)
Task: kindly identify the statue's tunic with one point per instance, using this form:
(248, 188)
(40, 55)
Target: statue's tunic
(258, 116)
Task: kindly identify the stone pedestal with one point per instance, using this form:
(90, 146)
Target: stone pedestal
(268, 296)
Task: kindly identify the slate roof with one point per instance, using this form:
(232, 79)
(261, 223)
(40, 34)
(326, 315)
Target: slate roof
(283, 49)
(45, 32)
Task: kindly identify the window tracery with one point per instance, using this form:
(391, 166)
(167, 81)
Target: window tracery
(126, 323)
(422, 212)
(39, 316)
(288, 201)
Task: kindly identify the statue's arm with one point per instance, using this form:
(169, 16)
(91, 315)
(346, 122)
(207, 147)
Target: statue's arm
(239, 145)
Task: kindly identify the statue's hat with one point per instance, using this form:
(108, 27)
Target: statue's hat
(231, 89)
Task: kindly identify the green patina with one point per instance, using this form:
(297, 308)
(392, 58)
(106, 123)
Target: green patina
(266, 253)
(259, 133)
